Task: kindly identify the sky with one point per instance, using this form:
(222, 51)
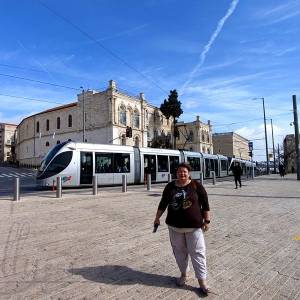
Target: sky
(222, 56)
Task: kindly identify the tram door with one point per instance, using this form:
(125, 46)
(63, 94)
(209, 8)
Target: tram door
(150, 166)
(86, 167)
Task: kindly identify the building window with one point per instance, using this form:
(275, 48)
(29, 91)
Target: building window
(136, 141)
(58, 142)
(122, 115)
(191, 136)
(37, 126)
(47, 144)
(70, 121)
(47, 125)
(58, 123)
(136, 119)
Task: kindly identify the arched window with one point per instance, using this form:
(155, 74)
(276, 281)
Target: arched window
(191, 136)
(70, 121)
(122, 115)
(146, 115)
(136, 119)
(47, 144)
(123, 140)
(37, 126)
(203, 137)
(208, 150)
(47, 125)
(137, 141)
(58, 122)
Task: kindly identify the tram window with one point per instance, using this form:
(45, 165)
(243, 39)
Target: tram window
(103, 163)
(121, 163)
(224, 165)
(162, 162)
(59, 163)
(194, 162)
(174, 162)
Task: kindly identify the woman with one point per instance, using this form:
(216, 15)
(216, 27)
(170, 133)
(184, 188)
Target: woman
(187, 219)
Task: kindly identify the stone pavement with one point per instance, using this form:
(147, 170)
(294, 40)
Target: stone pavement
(102, 247)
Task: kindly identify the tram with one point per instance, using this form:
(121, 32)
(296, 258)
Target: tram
(77, 163)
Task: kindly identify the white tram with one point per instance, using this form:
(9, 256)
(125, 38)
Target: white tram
(77, 163)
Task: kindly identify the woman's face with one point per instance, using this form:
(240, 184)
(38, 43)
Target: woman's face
(183, 174)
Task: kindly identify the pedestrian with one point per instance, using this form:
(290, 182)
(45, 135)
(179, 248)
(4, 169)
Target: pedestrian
(237, 173)
(281, 170)
(187, 219)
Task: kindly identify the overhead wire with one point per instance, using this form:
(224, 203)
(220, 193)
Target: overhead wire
(31, 99)
(97, 42)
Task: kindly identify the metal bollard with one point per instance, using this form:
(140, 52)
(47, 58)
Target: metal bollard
(58, 187)
(214, 177)
(201, 177)
(95, 185)
(169, 177)
(124, 183)
(149, 182)
(17, 189)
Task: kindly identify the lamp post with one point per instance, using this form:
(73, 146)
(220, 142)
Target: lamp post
(273, 148)
(266, 137)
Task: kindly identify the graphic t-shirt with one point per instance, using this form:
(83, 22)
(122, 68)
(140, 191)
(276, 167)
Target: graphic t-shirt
(185, 204)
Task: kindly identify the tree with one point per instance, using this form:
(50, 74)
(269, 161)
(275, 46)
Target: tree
(172, 108)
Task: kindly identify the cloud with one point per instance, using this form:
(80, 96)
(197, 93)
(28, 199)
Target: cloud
(280, 13)
(207, 47)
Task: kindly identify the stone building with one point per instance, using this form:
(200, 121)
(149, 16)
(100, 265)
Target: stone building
(289, 149)
(195, 136)
(7, 142)
(231, 144)
(107, 115)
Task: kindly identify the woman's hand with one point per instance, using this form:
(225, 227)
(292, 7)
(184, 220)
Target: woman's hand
(205, 227)
(156, 221)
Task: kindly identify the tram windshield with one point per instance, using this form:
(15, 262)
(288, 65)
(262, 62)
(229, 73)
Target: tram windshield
(50, 155)
(57, 165)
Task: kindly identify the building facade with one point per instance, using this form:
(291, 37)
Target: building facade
(107, 114)
(7, 142)
(195, 136)
(289, 149)
(231, 144)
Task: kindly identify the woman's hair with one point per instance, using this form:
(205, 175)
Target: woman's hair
(184, 165)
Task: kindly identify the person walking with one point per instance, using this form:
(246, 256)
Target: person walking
(281, 170)
(187, 219)
(237, 173)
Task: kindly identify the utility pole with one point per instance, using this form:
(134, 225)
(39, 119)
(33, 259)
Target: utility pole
(83, 116)
(273, 148)
(296, 136)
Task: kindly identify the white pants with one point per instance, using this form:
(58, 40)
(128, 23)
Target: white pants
(193, 244)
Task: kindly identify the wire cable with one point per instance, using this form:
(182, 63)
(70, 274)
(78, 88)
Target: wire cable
(32, 99)
(90, 37)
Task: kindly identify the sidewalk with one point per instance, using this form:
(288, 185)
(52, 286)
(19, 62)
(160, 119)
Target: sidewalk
(102, 247)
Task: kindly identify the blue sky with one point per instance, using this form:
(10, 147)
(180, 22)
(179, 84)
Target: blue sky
(218, 54)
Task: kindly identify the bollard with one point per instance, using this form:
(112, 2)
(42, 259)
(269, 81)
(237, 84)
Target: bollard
(169, 177)
(58, 187)
(201, 177)
(17, 189)
(214, 177)
(53, 186)
(149, 182)
(124, 183)
(95, 185)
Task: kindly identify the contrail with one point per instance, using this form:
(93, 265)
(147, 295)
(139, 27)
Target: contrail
(207, 47)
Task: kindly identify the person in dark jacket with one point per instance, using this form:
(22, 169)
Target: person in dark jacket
(237, 173)
(187, 218)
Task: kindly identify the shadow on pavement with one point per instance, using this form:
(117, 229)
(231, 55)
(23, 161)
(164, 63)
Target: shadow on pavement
(122, 275)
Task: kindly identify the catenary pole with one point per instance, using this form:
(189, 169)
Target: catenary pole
(296, 136)
(266, 136)
(274, 158)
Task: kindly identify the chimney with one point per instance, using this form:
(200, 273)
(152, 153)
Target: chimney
(198, 118)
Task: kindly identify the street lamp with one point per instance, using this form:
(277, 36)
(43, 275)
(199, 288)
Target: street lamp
(266, 137)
